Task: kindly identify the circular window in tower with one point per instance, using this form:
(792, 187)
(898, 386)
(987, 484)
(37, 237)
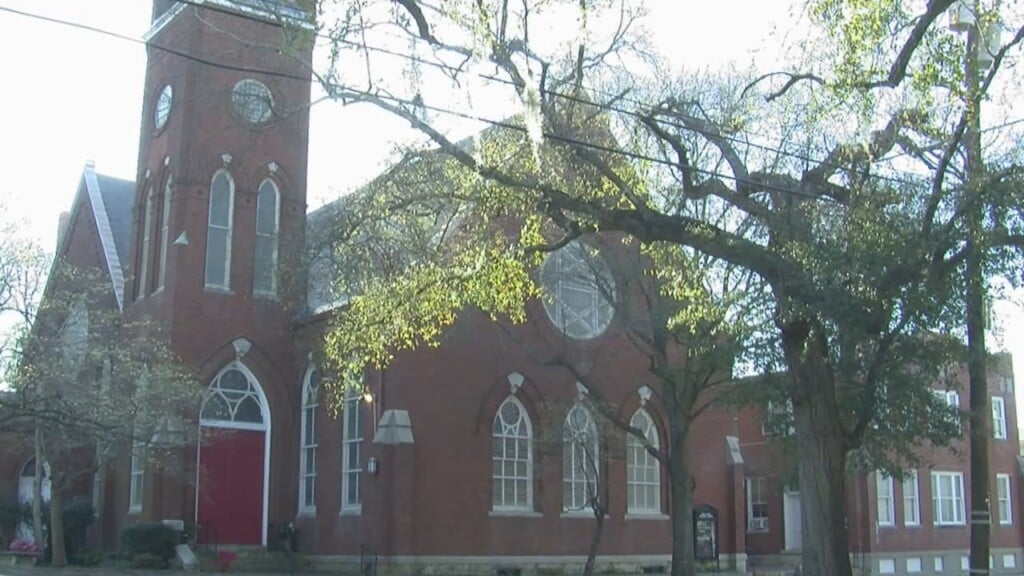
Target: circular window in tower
(162, 110)
(252, 101)
(579, 291)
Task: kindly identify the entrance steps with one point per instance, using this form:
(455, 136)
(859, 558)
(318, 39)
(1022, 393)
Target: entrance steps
(783, 564)
(228, 558)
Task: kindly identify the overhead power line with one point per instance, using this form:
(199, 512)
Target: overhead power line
(438, 109)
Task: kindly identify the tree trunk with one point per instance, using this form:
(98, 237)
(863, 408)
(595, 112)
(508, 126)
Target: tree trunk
(59, 555)
(37, 491)
(822, 454)
(595, 539)
(98, 500)
(681, 498)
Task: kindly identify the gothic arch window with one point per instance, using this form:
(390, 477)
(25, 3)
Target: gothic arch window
(147, 232)
(308, 441)
(218, 231)
(643, 473)
(74, 336)
(512, 458)
(268, 209)
(137, 477)
(165, 225)
(234, 401)
(351, 453)
(580, 471)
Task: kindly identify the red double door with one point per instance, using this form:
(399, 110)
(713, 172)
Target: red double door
(231, 485)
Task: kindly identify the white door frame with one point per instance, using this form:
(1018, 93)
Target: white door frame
(265, 427)
(793, 529)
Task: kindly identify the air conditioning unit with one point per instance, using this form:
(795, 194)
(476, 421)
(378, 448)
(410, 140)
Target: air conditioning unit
(759, 524)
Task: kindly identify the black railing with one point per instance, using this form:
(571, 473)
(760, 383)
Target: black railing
(206, 537)
(367, 561)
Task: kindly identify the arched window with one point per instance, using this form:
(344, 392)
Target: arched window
(512, 458)
(264, 266)
(218, 231)
(147, 231)
(233, 399)
(165, 225)
(643, 474)
(137, 477)
(74, 337)
(351, 452)
(307, 454)
(580, 471)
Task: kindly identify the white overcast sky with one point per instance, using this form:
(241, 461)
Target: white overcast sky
(70, 95)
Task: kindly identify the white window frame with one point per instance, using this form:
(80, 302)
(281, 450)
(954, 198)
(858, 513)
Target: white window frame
(643, 470)
(1003, 499)
(136, 478)
(308, 442)
(574, 270)
(271, 237)
(503, 432)
(884, 500)
(165, 226)
(757, 497)
(351, 444)
(911, 499)
(228, 231)
(956, 498)
(998, 418)
(147, 231)
(580, 460)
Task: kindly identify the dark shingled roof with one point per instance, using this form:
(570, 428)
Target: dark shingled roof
(118, 196)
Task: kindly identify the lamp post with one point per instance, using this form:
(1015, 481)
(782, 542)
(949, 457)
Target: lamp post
(981, 38)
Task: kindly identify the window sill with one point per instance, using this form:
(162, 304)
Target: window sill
(580, 514)
(306, 513)
(886, 525)
(353, 511)
(758, 530)
(134, 510)
(646, 516)
(951, 525)
(514, 514)
(218, 290)
(272, 296)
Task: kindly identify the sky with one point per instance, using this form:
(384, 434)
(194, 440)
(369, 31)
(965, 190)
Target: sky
(71, 95)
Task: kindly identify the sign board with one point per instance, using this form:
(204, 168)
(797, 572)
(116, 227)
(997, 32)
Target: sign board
(705, 533)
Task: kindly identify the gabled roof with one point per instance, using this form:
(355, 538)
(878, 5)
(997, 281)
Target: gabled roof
(111, 202)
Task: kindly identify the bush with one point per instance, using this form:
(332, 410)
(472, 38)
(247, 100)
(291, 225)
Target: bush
(79, 514)
(151, 538)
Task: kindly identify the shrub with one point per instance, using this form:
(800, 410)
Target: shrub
(150, 538)
(79, 514)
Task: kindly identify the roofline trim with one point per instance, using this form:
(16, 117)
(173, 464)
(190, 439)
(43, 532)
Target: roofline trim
(99, 211)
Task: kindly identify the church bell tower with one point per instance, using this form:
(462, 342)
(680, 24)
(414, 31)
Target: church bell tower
(219, 211)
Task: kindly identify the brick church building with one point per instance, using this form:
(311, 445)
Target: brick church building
(453, 458)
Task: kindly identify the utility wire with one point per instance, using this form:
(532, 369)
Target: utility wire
(721, 130)
(438, 109)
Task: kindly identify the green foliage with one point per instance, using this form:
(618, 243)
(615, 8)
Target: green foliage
(153, 542)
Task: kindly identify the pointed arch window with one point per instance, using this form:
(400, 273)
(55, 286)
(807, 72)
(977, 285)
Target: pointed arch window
(512, 458)
(137, 478)
(165, 225)
(147, 231)
(351, 453)
(307, 454)
(218, 231)
(580, 471)
(268, 209)
(233, 398)
(643, 474)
